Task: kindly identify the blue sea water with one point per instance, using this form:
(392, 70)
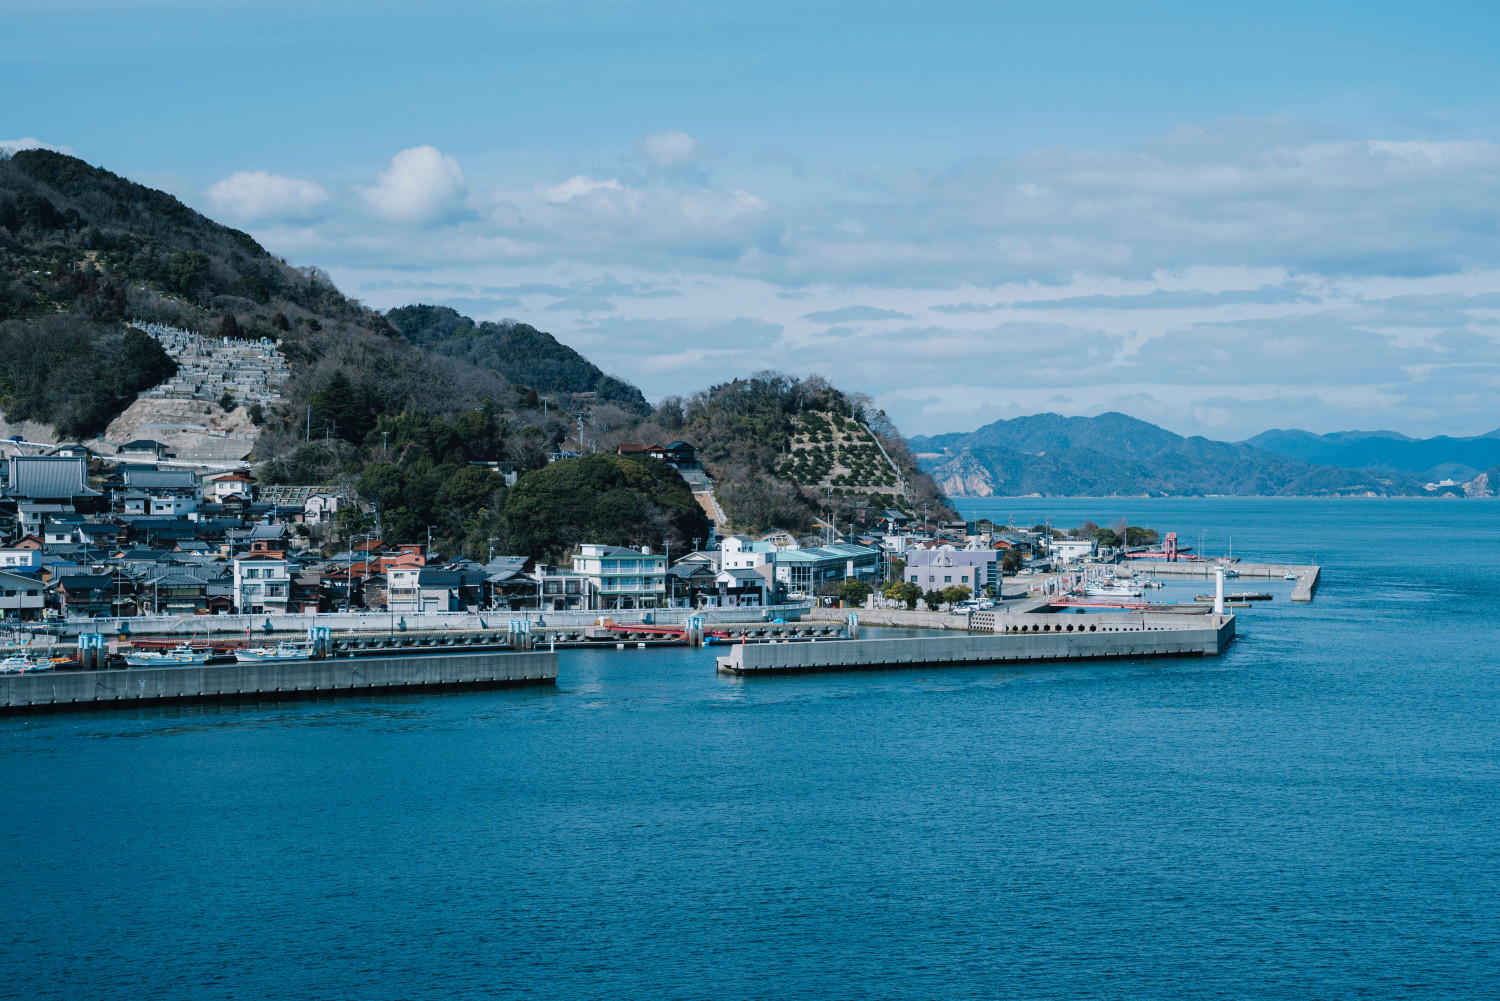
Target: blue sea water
(1314, 815)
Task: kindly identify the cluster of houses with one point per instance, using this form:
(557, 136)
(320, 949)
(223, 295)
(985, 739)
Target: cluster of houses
(152, 538)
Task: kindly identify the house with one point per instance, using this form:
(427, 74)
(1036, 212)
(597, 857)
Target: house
(87, 595)
(170, 493)
(307, 592)
(562, 589)
(262, 583)
(1071, 550)
(737, 552)
(739, 588)
(679, 454)
(320, 508)
(401, 589)
(33, 517)
(21, 597)
(70, 450)
(450, 590)
(622, 578)
(235, 484)
(19, 560)
(61, 529)
(144, 448)
(688, 579)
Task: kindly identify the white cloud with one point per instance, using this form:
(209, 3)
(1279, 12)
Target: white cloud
(254, 195)
(670, 150)
(422, 187)
(10, 146)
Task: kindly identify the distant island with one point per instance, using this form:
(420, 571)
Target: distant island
(1115, 455)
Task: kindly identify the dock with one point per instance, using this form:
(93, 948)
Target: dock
(1307, 573)
(1038, 637)
(84, 689)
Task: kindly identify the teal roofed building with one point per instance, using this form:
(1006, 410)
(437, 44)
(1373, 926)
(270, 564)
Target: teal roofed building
(807, 570)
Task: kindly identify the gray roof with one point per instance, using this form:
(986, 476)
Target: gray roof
(743, 574)
(49, 476)
(268, 532)
(158, 479)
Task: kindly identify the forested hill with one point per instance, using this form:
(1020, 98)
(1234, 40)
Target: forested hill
(521, 353)
(82, 250)
(1116, 455)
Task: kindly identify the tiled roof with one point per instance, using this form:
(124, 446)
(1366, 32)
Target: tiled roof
(49, 476)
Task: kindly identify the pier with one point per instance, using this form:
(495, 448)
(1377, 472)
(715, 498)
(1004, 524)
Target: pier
(1033, 637)
(73, 689)
(1307, 573)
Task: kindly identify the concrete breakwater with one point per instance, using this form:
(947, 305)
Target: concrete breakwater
(284, 679)
(1307, 573)
(1047, 638)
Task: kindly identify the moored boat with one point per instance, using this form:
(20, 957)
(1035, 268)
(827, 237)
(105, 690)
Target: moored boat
(281, 651)
(181, 655)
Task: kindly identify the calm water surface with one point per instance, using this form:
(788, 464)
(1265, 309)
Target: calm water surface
(1313, 815)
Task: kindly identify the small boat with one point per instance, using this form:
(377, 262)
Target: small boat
(281, 651)
(180, 655)
(1152, 583)
(1115, 590)
(1290, 576)
(1240, 596)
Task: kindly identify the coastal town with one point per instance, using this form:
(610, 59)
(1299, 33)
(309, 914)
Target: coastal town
(142, 534)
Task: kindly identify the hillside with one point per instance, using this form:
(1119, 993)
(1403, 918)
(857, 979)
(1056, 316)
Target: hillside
(83, 250)
(394, 407)
(520, 352)
(789, 453)
(1116, 455)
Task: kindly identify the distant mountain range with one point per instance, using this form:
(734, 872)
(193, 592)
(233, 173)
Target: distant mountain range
(1116, 455)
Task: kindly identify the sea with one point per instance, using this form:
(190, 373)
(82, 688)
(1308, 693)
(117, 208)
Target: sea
(1313, 815)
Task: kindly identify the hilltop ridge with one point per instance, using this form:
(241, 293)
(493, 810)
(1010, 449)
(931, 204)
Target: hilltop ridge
(1114, 454)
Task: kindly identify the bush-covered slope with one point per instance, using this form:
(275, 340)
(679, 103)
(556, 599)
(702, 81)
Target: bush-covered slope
(521, 353)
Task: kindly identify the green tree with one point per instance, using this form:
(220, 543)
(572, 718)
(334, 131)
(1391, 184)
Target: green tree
(343, 409)
(187, 270)
(854, 591)
(904, 591)
(954, 593)
(895, 570)
(1012, 561)
(229, 327)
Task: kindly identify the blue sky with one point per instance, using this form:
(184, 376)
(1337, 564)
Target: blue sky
(1220, 217)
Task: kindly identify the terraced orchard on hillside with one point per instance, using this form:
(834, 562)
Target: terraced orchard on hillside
(839, 455)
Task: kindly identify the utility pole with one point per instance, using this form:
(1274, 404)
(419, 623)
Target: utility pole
(385, 444)
(308, 436)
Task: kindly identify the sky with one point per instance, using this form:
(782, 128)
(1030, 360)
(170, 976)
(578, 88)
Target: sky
(1221, 218)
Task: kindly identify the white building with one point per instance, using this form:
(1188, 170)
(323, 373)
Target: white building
(262, 584)
(320, 508)
(21, 560)
(1069, 550)
(230, 485)
(402, 592)
(623, 578)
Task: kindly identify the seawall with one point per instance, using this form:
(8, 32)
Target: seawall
(287, 679)
(1100, 638)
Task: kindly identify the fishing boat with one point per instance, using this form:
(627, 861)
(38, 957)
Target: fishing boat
(23, 665)
(1240, 596)
(281, 651)
(180, 655)
(1289, 576)
(1116, 589)
(1153, 583)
